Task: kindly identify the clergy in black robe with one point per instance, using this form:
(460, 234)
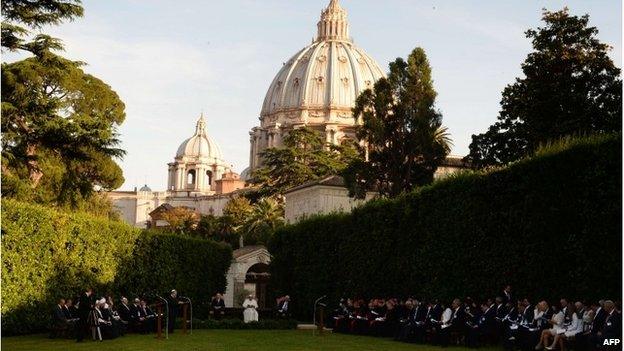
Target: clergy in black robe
(174, 303)
(85, 305)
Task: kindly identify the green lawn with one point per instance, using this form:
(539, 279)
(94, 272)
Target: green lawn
(248, 340)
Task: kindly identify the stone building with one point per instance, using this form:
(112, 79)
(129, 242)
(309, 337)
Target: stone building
(199, 179)
(329, 195)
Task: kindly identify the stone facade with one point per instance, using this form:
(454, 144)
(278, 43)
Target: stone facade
(329, 195)
(321, 197)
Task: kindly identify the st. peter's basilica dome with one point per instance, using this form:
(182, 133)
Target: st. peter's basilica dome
(317, 87)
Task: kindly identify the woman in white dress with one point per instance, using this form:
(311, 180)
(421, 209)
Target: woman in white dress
(568, 331)
(557, 326)
(250, 314)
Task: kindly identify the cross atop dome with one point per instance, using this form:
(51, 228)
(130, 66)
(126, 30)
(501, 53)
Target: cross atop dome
(333, 24)
(200, 128)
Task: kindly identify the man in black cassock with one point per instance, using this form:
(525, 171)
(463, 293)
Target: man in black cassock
(174, 302)
(85, 305)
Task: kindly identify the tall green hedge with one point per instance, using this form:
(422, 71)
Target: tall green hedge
(195, 267)
(549, 225)
(48, 254)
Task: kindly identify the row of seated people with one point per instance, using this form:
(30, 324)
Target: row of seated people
(217, 307)
(516, 325)
(104, 319)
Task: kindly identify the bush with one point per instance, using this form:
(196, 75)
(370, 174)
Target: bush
(549, 225)
(48, 254)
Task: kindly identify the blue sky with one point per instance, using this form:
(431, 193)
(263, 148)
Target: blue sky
(171, 60)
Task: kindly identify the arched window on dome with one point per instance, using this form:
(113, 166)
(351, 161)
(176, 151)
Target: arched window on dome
(209, 178)
(190, 178)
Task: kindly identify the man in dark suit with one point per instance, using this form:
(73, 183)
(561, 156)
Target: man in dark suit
(434, 316)
(60, 322)
(146, 318)
(283, 308)
(456, 325)
(525, 323)
(85, 305)
(217, 307)
(501, 311)
(125, 314)
(611, 328)
(599, 318)
(484, 326)
(540, 323)
(406, 321)
(66, 307)
(506, 294)
(135, 321)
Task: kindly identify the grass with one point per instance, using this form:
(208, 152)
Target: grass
(248, 340)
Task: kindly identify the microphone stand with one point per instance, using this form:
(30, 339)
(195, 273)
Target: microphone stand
(316, 303)
(191, 306)
(167, 318)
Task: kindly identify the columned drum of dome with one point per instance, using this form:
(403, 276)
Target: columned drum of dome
(317, 87)
(198, 164)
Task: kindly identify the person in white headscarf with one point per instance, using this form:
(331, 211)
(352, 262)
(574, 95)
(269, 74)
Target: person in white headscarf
(250, 314)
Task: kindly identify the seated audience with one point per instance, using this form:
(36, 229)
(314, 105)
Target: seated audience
(515, 325)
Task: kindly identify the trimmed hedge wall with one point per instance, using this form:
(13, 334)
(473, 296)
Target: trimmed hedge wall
(49, 254)
(194, 267)
(549, 225)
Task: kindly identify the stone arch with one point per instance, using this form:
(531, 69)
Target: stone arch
(256, 281)
(209, 178)
(243, 260)
(190, 178)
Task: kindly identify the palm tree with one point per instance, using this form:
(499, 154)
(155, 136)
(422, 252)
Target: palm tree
(266, 216)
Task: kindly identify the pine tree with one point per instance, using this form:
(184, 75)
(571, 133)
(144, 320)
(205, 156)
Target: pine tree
(570, 87)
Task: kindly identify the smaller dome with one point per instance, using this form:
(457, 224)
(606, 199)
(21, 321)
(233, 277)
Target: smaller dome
(145, 188)
(200, 145)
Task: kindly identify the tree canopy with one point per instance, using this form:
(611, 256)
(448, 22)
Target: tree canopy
(59, 124)
(34, 15)
(304, 156)
(570, 86)
(403, 132)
